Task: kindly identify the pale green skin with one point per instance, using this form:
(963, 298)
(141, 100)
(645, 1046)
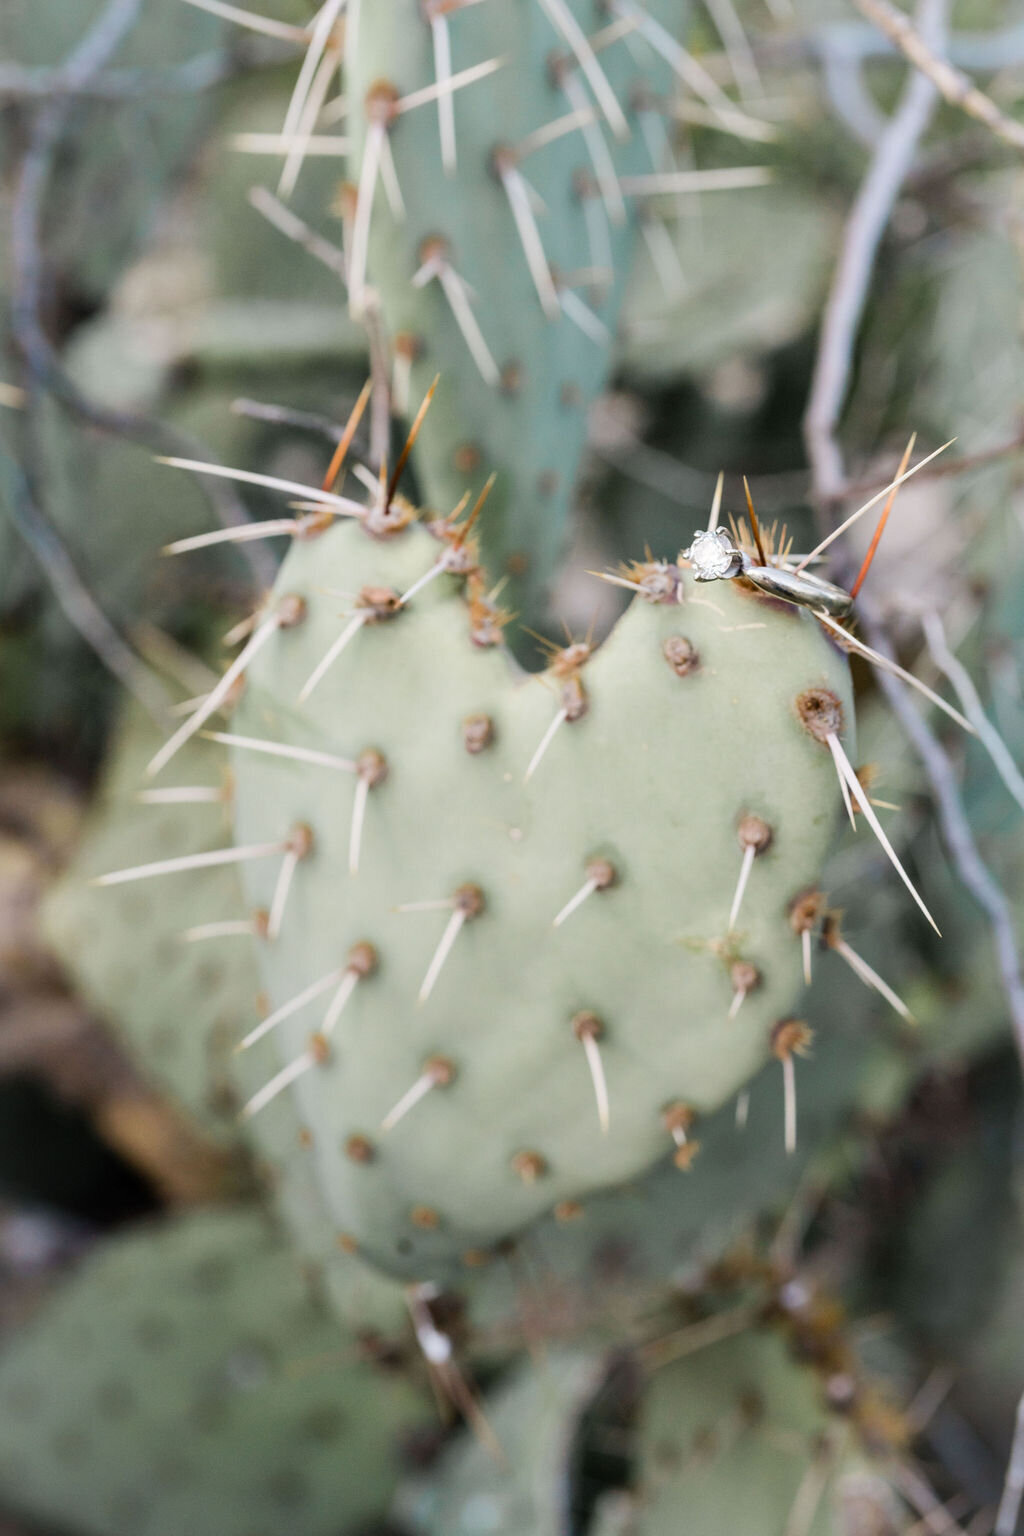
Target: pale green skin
(179, 1008)
(664, 1226)
(704, 1466)
(703, 1463)
(654, 777)
(590, 1273)
(536, 432)
(535, 1416)
(629, 1251)
(158, 1393)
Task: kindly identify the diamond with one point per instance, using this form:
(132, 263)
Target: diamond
(713, 555)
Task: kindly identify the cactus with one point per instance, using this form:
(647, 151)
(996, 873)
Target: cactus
(740, 1437)
(755, 265)
(587, 912)
(593, 1266)
(597, 1260)
(514, 965)
(179, 1006)
(506, 271)
(737, 1435)
(535, 1417)
(186, 1380)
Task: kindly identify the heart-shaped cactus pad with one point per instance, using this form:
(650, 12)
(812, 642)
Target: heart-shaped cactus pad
(511, 967)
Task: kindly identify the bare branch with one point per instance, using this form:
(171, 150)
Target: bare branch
(202, 72)
(956, 830)
(945, 469)
(27, 279)
(951, 83)
(890, 164)
(77, 602)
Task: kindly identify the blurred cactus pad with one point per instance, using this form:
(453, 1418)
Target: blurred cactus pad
(187, 1379)
(503, 268)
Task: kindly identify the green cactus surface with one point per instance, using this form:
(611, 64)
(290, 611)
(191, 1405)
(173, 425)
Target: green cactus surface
(186, 1380)
(738, 1437)
(535, 1418)
(593, 1265)
(594, 1261)
(682, 749)
(521, 354)
(178, 1005)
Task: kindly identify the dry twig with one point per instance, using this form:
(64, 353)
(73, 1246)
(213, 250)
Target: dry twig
(951, 83)
(864, 229)
(45, 371)
(893, 157)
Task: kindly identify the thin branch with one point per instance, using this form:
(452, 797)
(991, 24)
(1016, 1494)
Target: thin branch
(956, 829)
(77, 602)
(202, 72)
(992, 49)
(890, 164)
(101, 41)
(27, 284)
(951, 83)
(945, 469)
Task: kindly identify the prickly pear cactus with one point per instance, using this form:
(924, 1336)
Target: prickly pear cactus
(739, 1437)
(179, 1005)
(535, 1419)
(589, 1266)
(595, 1261)
(538, 976)
(505, 270)
(186, 1380)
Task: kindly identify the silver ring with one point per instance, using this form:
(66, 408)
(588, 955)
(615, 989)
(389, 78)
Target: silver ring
(800, 587)
(713, 556)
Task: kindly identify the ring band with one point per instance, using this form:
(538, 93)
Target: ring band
(713, 556)
(802, 588)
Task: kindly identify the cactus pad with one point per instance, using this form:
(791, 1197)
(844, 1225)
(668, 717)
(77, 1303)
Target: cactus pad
(535, 1418)
(739, 1437)
(186, 1380)
(586, 911)
(521, 353)
(179, 1006)
(736, 1436)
